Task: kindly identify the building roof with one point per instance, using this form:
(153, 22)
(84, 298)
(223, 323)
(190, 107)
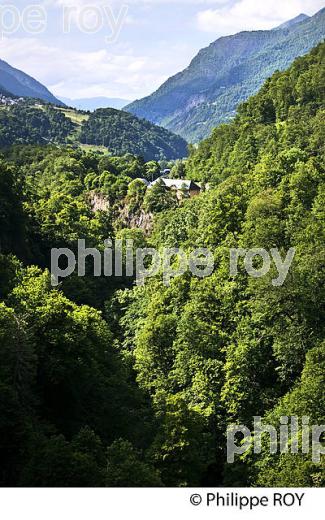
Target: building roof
(178, 184)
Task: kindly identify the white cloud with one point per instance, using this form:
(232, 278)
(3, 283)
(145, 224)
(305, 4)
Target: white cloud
(253, 14)
(155, 44)
(83, 74)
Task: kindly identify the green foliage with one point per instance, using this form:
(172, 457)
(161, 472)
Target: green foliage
(158, 198)
(178, 171)
(270, 147)
(123, 133)
(107, 384)
(135, 195)
(228, 349)
(24, 124)
(125, 468)
(112, 131)
(12, 229)
(305, 400)
(181, 446)
(152, 170)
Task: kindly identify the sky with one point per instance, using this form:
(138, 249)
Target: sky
(125, 48)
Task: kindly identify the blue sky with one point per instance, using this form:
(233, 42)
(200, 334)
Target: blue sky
(126, 48)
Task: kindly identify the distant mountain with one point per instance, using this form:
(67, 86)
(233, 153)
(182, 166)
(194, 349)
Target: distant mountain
(300, 18)
(94, 103)
(5, 93)
(123, 133)
(225, 74)
(18, 83)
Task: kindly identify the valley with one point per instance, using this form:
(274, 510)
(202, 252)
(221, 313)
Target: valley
(133, 376)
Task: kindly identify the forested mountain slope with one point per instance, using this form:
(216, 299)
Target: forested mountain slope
(122, 133)
(107, 384)
(114, 130)
(223, 349)
(22, 85)
(287, 113)
(224, 74)
(28, 124)
(5, 93)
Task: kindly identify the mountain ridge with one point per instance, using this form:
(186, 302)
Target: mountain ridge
(20, 84)
(132, 135)
(224, 74)
(300, 18)
(29, 122)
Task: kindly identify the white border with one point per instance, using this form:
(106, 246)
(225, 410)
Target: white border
(151, 504)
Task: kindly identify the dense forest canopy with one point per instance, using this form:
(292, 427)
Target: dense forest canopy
(122, 133)
(108, 384)
(286, 114)
(113, 131)
(27, 124)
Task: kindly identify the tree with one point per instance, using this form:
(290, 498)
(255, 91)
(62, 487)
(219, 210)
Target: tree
(126, 467)
(135, 195)
(158, 198)
(178, 171)
(152, 170)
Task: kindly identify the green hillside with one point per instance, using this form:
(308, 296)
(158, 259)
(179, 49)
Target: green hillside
(110, 130)
(123, 133)
(223, 349)
(225, 74)
(105, 383)
(25, 123)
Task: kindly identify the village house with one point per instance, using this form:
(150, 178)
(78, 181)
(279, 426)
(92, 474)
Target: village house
(183, 188)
